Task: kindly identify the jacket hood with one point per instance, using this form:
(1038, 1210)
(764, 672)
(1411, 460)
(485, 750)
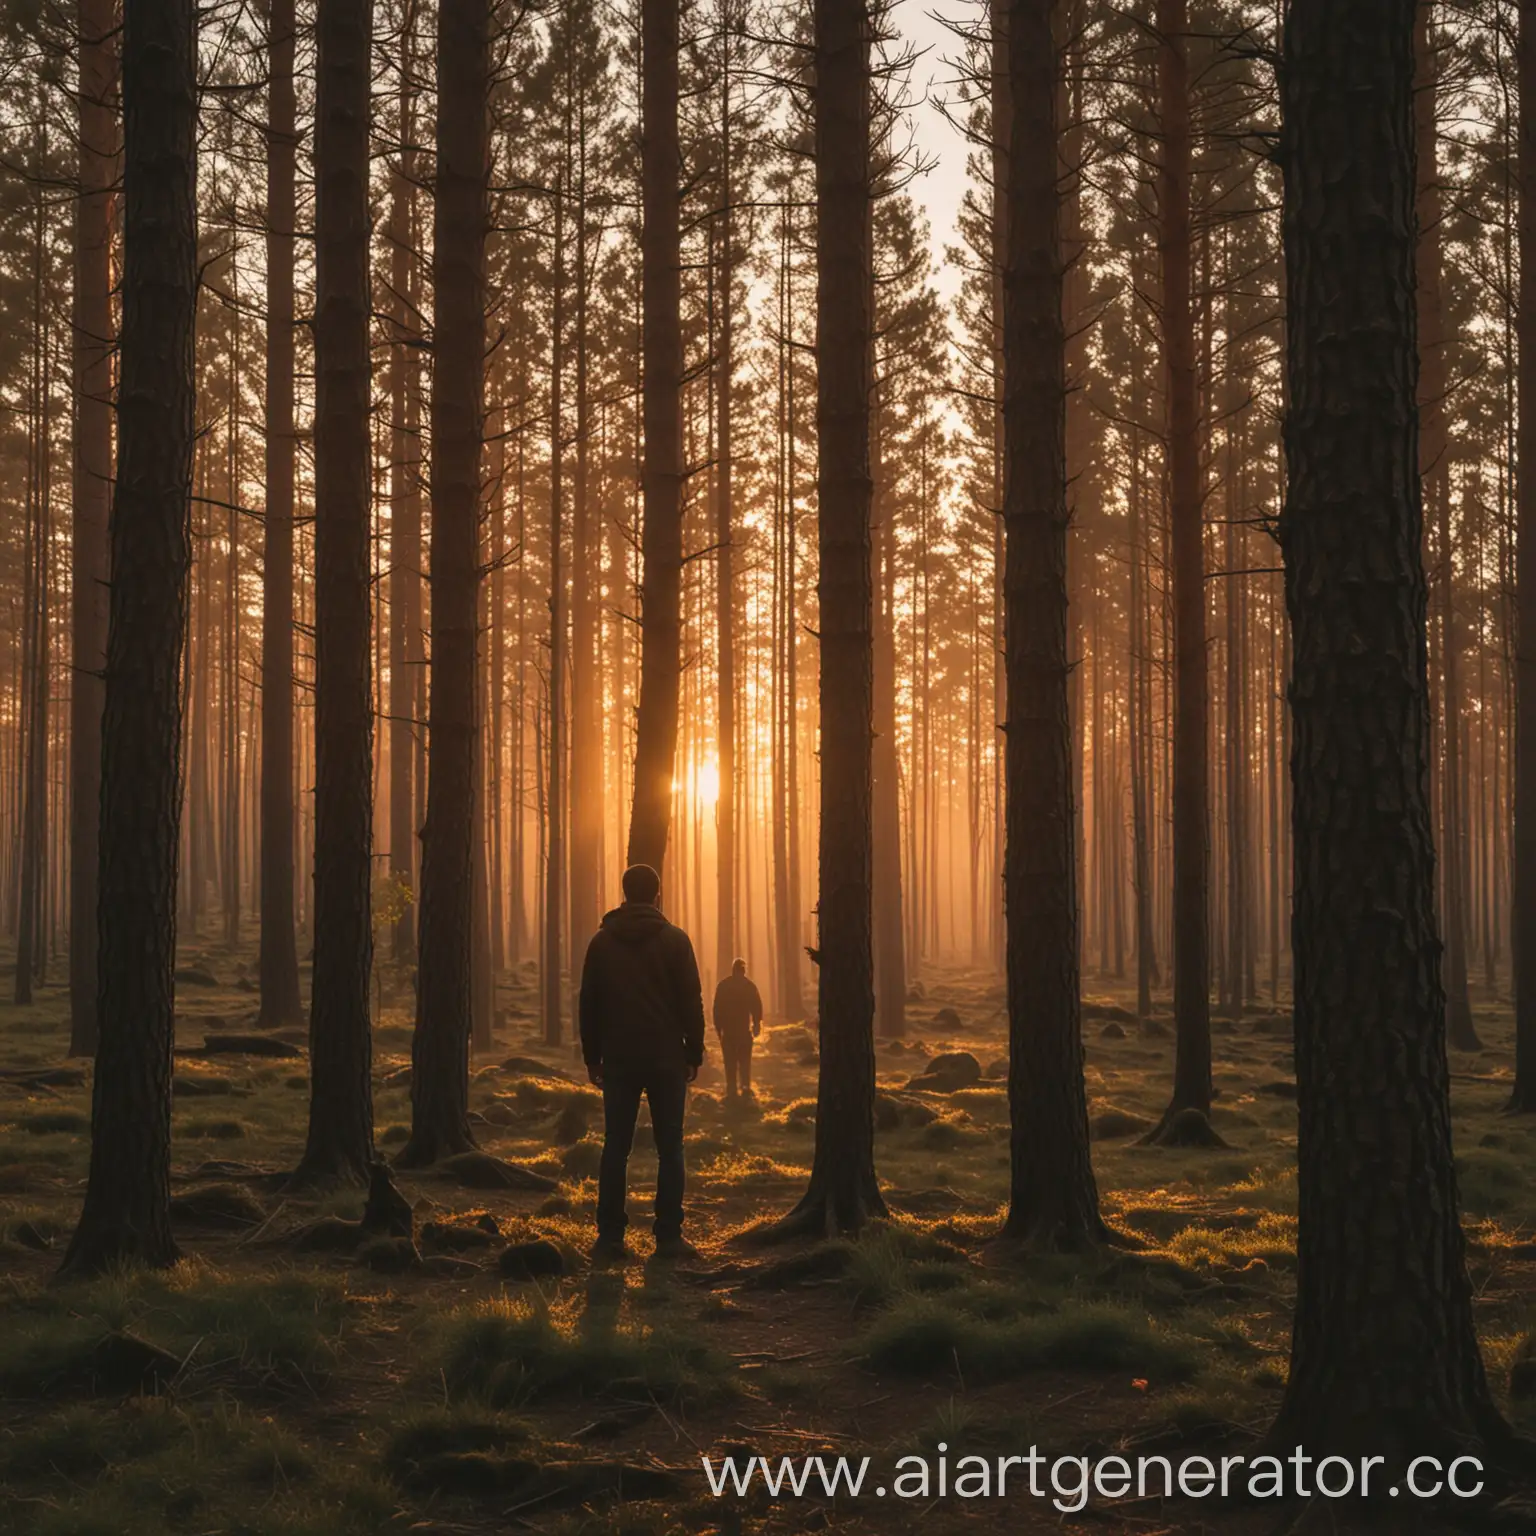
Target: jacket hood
(635, 922)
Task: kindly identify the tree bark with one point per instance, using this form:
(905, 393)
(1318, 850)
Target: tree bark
(725, 532)
(340, 1140)
(278, 964)
(787, 976)
(890, 948)
(405, 658)
(91, 318)
(1140, 697)
(445, 998)
(554, 808)
(1523, 936)
(126, 1217)
(32, 692)
(586, 759)
(1234, 556)
(843, 1192)
(662, 349)
(1191, 791)
(1001, 102)
(1053, 1200)
(1434, 470)
(1384, 1353)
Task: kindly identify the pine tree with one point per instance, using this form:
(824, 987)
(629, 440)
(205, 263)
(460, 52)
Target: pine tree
(440, 1050)
(843, 1192)
(92, 492)
(340, 1140)
(126, 1216)
(1523, 1098)
(662, 547)
(1053, 1199)
(1384, 1352)
(278, 965)
(1191, 726)
(405, 645)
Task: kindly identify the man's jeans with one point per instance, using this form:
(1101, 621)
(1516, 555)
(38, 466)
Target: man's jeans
(736, 1056)
(666, 1091)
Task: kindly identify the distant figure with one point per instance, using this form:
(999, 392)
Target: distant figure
(642, 1032)
(738, 1022)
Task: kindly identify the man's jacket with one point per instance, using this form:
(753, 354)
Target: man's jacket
(642, 1005)
(738, 1005)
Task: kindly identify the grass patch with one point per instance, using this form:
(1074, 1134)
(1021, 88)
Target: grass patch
(950, 1136)
(735, 1166)
(509, 1352)
(212, 1130)
(894, 1259)
(1271, 1242)
(159, 1468)
(81, 1442)
(422, 1437)
(927, 1337)
(582, 1159)
(1492, 1183)
(56, 1122)
(284, 1331)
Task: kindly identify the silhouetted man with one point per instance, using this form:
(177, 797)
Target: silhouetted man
(642, 1033)
(738, 1015)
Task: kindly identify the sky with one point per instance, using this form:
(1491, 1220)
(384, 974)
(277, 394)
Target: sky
(941, 189)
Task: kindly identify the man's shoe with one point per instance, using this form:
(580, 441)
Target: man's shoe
(610, 1250)
(673, 1248)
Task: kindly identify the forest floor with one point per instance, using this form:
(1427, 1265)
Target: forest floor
(269, 1386)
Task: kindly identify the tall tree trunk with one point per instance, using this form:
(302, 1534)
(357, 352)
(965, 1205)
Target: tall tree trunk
(890, 950)
(1384, 1353)
(1434, 469)
(785, 941)
(794, 978)
(1523, 935)
(1053, 1200)
(404, 505)
(1140, 692)
(1001, 103)
(843, 1192)
(126, 1217)
(725, 532)
(229, 686)
(340, 1140)
(445, 999)
(1234, 557)
(586, 798)
(1080, 484)
(91, 319)
(553, 816)
(496, 917)
(32, 698)
(1191, 832)
(199, 834)
(662, 347)
(482, 971)
(278, 964)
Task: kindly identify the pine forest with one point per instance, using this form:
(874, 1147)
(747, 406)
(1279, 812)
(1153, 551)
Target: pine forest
(1015, 514)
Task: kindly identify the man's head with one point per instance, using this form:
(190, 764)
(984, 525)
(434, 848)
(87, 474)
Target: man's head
(738, 967)
(642, 884)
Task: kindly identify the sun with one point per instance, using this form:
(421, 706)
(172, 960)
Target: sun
(706, 782)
